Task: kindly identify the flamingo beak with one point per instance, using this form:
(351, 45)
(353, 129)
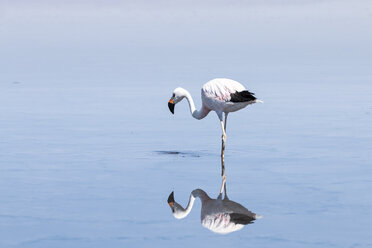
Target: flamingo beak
(171, 105)
(171, 199)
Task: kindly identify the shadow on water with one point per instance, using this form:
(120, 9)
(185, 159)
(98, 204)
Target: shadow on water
(179, 153)
(218, 215)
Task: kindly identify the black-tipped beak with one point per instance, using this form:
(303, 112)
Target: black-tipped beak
(171, 106)
(171, 199)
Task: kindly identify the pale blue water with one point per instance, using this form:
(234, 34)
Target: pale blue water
(86, 133)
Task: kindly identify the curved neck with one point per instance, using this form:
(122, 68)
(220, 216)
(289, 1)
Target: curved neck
(181, 212)
(197, 114)
(200, 194)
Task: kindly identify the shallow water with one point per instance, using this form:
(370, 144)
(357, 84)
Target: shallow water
(89, 151)
(92, 173)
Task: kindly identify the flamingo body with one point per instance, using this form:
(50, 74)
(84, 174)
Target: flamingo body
(216, 95)
(221, 95)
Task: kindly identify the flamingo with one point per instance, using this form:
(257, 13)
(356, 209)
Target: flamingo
(218, 215)
(221, 95)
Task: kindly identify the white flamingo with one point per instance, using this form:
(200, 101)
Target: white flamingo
(221, 95)
(218, 215)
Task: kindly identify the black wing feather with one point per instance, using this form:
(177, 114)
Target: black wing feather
(242, 96)
(241, 218)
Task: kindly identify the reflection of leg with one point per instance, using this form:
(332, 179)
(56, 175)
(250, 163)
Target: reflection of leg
(223, 185)
(225, 192)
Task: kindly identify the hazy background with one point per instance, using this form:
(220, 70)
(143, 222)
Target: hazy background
(84, 87)
(104, 41)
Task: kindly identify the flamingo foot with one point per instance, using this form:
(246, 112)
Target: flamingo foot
(223, 137)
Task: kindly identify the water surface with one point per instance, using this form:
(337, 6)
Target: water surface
(89, 151)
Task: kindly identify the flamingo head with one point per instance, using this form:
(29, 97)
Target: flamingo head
(177, 210)
(178, 95)
(171, 200)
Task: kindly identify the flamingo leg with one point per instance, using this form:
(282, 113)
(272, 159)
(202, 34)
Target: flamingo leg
(226, 121)
(223, 150)
(223, 131)
(223, 174)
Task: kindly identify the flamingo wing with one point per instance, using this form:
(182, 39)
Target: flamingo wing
(242, 96)
(227, 90)
(241, 218)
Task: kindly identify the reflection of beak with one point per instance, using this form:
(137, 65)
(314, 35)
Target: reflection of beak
(171, 199)
(171, 105)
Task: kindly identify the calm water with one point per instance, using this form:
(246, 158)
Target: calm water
(89, 151)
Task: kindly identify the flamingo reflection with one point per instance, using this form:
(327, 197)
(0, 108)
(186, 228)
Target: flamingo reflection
(218, 215)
